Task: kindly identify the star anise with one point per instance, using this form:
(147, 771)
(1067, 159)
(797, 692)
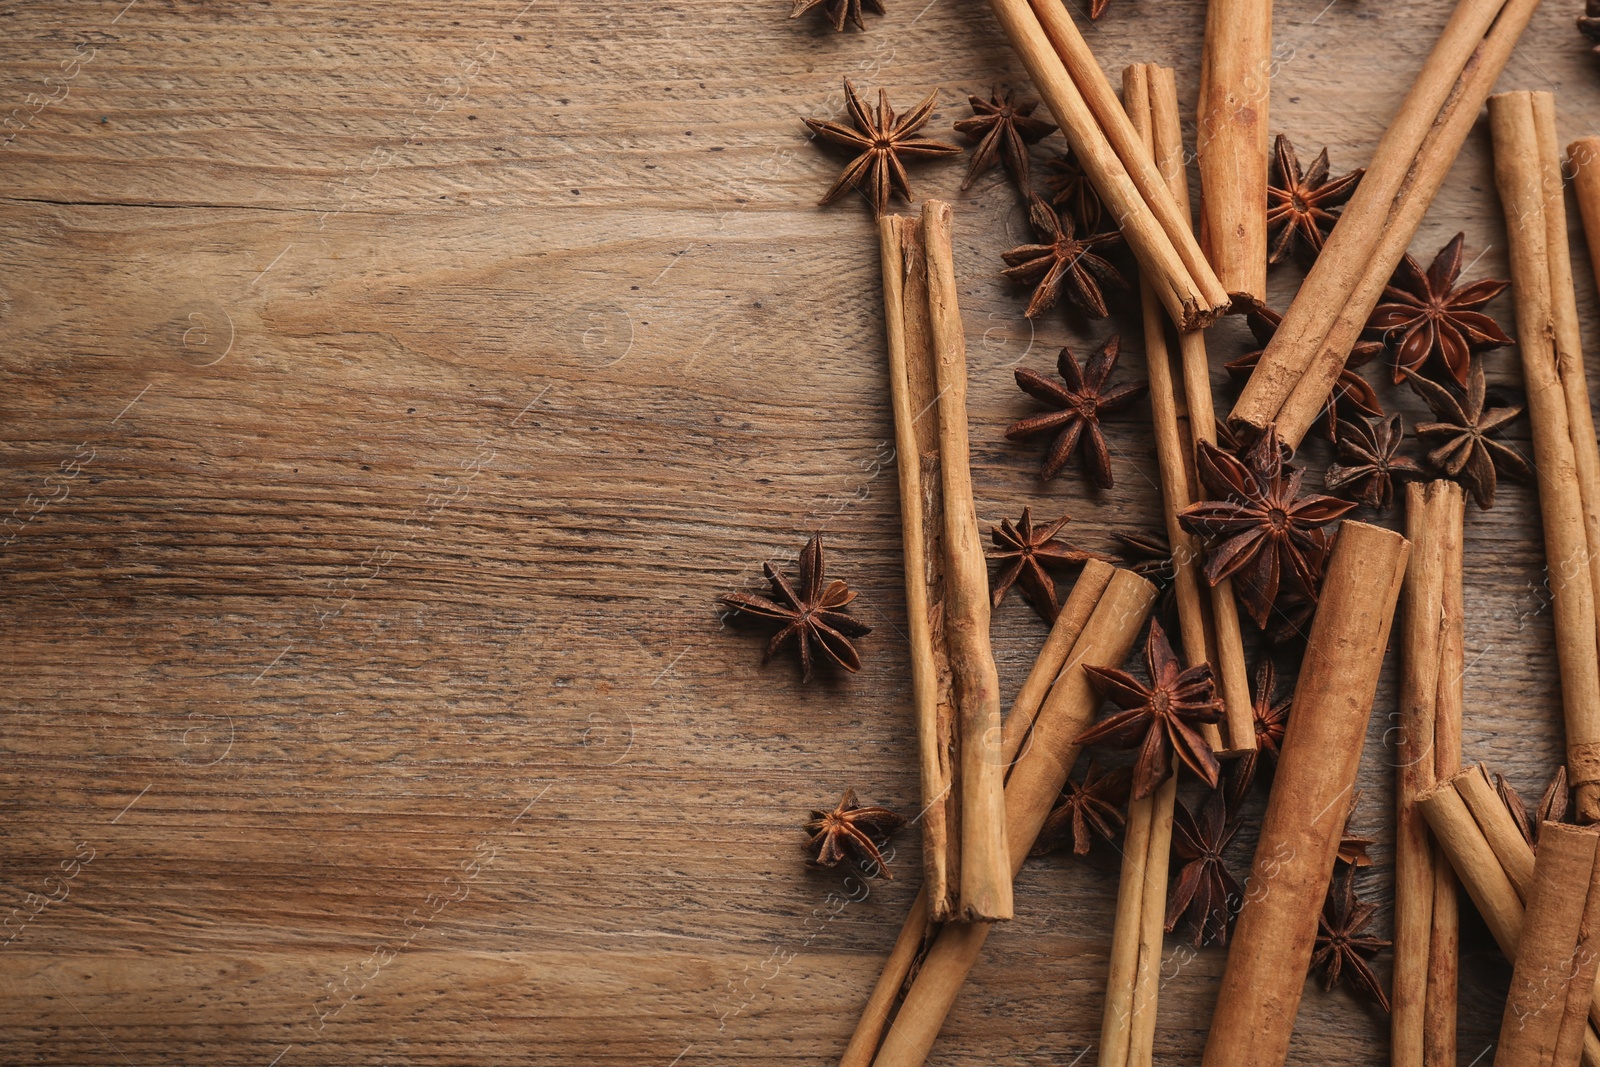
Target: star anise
(1465, 452)
(1552, 805)
(1149, 555)
(1206, 891)
(1589, 23)
(882, 139)
(1069, 187)
(1353, 847)
(1299, 207)
(1352, 395)
(852, 831)
(1342, 948)
(1025, 551)
(813, 615)
(1292, 614)
(1369, 462)
(1158, 719)
(837, 11)
(1271, 719)
(1003, 129)
(1424, 314)
(1062, 260)
(1079, 408)
(1267, 533)
(1091, 808)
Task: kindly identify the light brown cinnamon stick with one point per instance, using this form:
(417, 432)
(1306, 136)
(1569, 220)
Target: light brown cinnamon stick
(1444, 942)
(1583, 157)
(1272, 942)
(1077, 93)
(1528, 177)
(1075, 613)
(1231, 144)
(1296, 373)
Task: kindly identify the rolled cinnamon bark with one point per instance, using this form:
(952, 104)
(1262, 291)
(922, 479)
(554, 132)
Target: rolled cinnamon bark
(1296, 373)
(1231, 144)
(1583, 158)
(1552, 981)
(1272, 942)
(1527, 174)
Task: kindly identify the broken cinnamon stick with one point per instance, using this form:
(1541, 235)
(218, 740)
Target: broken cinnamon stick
(1444, 941)
(1291, 383)
(1271, 947)
(1231, 144)
(1122, 172)
(1528, 177)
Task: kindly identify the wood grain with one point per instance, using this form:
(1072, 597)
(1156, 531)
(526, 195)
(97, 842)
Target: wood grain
(426, 370)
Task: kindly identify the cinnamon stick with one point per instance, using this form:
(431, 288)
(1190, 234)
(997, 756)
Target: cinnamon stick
(1031, 789)
(1444, 942)
(1085, 106)
(1583, 157)
(1528, 177)
(1296, 373)
(1231, 144)
(1510, 848)
(1311, 795)
(1434, 517)
(1075, 613)
(1552, 981)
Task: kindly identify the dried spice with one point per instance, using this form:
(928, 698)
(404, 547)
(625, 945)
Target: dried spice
(1088, 809)
(1003, 130)
(1076, 422)
(1552, 805)
(1342, 947)
(814, 615)
(1423, 315)
(1149, 555)
(1352, 395)
(1300, 206)
(1206, 892)
(839, 11)
(1062, 260)
(1464, 450)
(1271, 719)
(1160, 719)
(1267, 534)
(1070, 188)
(1589, 23)
(1370, 462)
(1025, 552)
(883, 141)
(852, 831)
(1292, 614)
(1353, 847)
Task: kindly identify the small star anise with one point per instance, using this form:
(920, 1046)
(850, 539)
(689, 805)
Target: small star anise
(1004, 130)
(1589, 23)
(882, 139)
(1025, 551)
(1088, 809)
(1424, 315)
(837, 11)
(1341, 947)
(1070, 188)
(1298, 207)
(1062, 260)
(1266, 532)
(1352, 395)
(814, 615)
(1369, 462)
(1465, 451)
(1079, 408)
(1271, 719)
(852, 831)
(1552, 805)
(1206, 891)
(1158, 719)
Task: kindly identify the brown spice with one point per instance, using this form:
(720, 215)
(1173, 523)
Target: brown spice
(1025, 552)
(1206, 891)
(1069, 188)
(1062, 260)
(1092, 808)
(1003, 130)
(883, 141)
(852, 831)
(1342, 948)
(812, 615)
(1369, 462)
(1464, 451)
(1299, 206)
(1080, 404)
(1589, 23)
(839, 11)
(1424, 315)
(1352, 395)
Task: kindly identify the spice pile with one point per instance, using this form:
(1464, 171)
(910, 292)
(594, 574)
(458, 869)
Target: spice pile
(1251, 563)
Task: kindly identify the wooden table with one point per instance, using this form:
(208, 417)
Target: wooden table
(390, 390)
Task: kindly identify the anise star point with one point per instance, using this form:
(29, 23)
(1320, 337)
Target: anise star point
(1003, 130)
(1299, 207)
(1087, 810)
(852, 831)
(1025, 552)
(1552, 805)
(1425, 315)
(881, 138)
(1464, 451)
(1159, 719)
(1063, 260)
(1342, 948)
(1271, 718)
(1370, 462)
(812, 615)
(1079, 404)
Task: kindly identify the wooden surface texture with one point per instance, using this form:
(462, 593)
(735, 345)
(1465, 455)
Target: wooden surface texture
(389, 390)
